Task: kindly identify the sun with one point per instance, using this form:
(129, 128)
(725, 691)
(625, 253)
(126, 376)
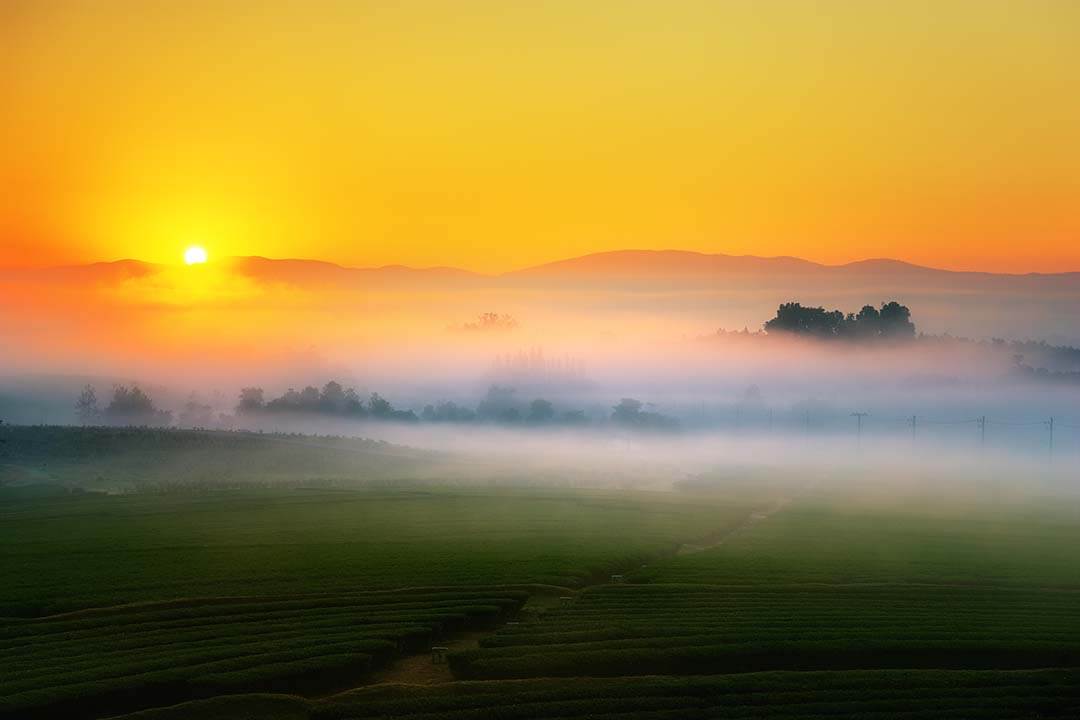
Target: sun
(195, 255)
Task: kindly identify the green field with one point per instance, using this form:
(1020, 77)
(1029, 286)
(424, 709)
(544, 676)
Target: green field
(860, 694)
(297, 601)
(91, 550)
(693, 629)
(161, 653)
(828, 539)
(38, 460)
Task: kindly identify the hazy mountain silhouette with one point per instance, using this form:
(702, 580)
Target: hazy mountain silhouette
(616, 270)
(698, 290)
(665, 263)
(626, 269)
(635, 266)
(99, 272)
(299, 271)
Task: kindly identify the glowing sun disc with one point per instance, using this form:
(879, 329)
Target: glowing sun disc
(195, 255)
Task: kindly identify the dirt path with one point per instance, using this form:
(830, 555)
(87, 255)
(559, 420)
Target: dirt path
(420, 670)
(753, 519)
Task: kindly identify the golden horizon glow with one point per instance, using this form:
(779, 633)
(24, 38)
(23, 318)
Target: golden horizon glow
(195, 255)
(492, 136)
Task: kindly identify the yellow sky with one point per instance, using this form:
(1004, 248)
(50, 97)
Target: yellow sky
(493, 135)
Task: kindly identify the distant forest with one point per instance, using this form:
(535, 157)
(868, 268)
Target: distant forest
(1033, 360)
(500, 405)
(891, 322)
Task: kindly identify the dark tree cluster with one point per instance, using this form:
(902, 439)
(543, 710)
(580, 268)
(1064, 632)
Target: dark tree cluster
(630, 413)
(447, 411)
(129, 406)
(501, 405)
(197, 414)
(1059, 358)
(333, 400)
(1028, 372)
(492, 322)
(891, 322)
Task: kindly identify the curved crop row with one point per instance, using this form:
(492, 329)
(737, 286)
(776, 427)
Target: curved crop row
(142, 655)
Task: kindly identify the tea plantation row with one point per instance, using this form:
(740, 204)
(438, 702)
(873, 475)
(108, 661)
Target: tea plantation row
(909, 694)
(90, 662)
(691, 629)
(820, 538)
(69, 553)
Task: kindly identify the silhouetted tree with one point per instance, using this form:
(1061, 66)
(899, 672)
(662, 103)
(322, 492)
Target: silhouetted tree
(309, 398)
(573, 417)
(132, 406)
(818, 322)
(540, 411)
(86, 406)
(629, 413)
(289, 401)
(379, 406)
(354, 406)
(332, 398)
(251, 400)
(893, 321)
(196, 414)
(896, 321)
(752, 395)
(865, 324)
(447, 411)
(492, 322)
(499, 405)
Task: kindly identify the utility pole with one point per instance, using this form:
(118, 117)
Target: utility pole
(982, 431)
(858, 424)
(914, 424)
(770, 419)
(807, 421)
(1050, 424)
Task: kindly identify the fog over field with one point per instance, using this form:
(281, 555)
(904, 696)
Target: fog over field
(483, 360)
(652, 370)
(725, 406)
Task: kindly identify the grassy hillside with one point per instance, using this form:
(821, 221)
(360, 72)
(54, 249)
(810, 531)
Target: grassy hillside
(911, 694)
(256, 601)
(91, 550)
(828, 539)
(132, 459)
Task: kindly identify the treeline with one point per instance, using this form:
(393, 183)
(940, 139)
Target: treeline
(891, 322)
(129, 406)
(1023, 369)
(500, 405)
(1032, 360)
(333, 399)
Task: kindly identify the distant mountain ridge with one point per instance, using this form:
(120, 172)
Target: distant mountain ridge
(660, 286)
(608, 263)
(660, 261)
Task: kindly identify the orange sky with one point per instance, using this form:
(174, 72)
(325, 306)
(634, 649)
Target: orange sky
(492, 135)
